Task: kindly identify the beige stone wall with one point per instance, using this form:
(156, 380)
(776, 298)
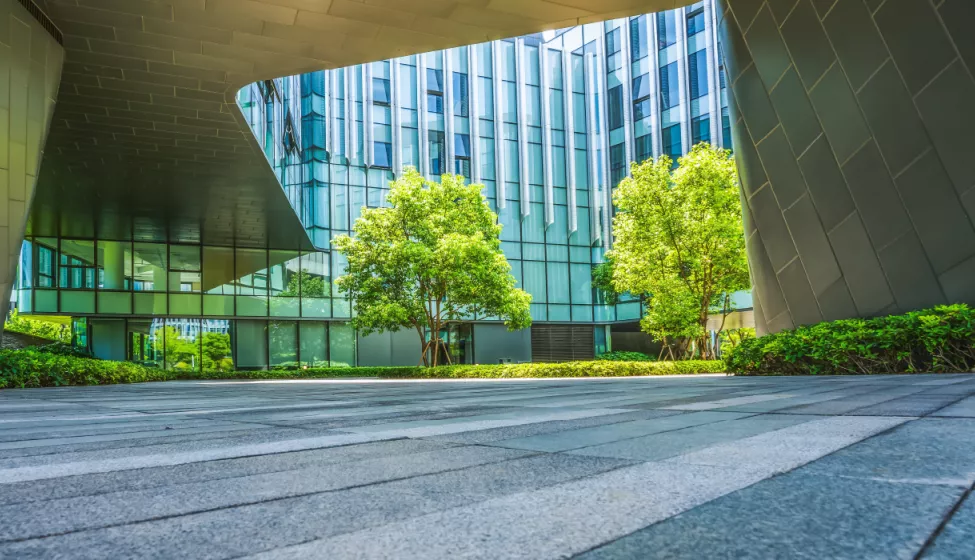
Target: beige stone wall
(30, 71)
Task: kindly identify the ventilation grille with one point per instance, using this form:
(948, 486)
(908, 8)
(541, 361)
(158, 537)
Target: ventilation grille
(45, 21)
(562, 343)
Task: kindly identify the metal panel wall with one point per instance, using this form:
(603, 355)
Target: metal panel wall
(852, 127)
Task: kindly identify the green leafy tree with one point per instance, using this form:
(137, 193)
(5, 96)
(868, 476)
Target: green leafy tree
(304, 284)
(679, 239)
(433, 257)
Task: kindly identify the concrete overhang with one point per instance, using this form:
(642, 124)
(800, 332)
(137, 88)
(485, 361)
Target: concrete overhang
(147, 139)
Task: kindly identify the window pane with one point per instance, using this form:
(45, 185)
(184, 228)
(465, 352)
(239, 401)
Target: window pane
(77, 264)
(382, 154)
(380, 91)
(460, 96)
(150, 267)
(251, 344)
(283, 344)
(669, 92)
(641, 87)
(695, 22)
(641, 110)
(216, 353)
(638, 38)
(644, 148)
(313, 340)
(434, 103)
(613, 42)
(462, 145)
(115, 265)
(666, 30)
(182, 350)
(615, 107)
(434, 80)
(700, 130)
(697, 74)
(341, 345)
(185, 266)
(218, 270)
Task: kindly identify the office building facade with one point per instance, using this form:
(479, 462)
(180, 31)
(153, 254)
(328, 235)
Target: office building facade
(548, 123)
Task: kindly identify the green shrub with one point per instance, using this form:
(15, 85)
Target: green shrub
(65, 349)
(36, 368)
(622, 356)
(37, 328)
(937, 340)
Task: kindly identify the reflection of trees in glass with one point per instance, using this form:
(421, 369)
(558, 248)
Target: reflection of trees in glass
(304, 284)
(180, 354)
(216, 352)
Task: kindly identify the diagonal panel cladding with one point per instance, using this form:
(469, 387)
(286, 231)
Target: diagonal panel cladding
(147, 140)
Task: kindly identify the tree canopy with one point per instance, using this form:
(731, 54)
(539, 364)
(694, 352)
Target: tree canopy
(433, 257)
(679, 243)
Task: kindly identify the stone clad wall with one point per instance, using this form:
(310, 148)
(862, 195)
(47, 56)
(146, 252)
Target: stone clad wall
(855, 133)
(30, 71)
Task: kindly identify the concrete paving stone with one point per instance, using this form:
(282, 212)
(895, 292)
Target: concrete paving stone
(155, 477)
(554, 522)
(789, 448)
(57, 470)
(527, 430)
(796, 516)
(844, 405)
(936, 450)
(957, 540)
(735, 401)
(426, 428)
(181, 444)
(586, 437)
(920, 404)
(34, 520)
(964, 408)
(245, 530)
(670, 444)
(161, 432)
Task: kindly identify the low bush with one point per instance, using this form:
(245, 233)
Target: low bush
(622, 356)
(937, 340)
(35, 368)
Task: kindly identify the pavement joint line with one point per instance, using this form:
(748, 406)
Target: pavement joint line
(929, 542)
(289, 497)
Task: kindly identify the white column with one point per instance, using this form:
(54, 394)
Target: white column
(626, 66)
(714, 81)
(501, 172)
(474, 112)
(682, 85)
(544, 90)
(367, 114)
(421, 115)
(521, 73)
(351, 131)
(395, 131)
(570, 140)
(653, 53)
(607, 202)
(333, 112)
(596, 229)
(448, 109)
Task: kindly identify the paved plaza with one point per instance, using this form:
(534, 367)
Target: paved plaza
(677, 467)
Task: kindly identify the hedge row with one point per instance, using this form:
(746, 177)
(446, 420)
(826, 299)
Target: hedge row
(34, 368)
(937, 340)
